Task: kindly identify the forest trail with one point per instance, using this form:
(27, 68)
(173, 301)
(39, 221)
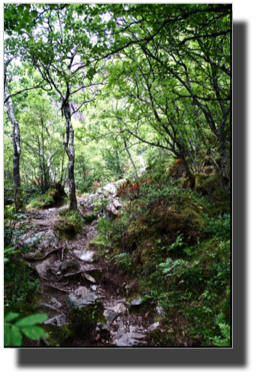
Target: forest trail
(80, 275)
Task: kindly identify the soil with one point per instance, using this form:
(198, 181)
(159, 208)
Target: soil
(110, 289)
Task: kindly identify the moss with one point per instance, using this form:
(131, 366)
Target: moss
(58, 335)
(82, 321)
(90, 217)
(70, 224)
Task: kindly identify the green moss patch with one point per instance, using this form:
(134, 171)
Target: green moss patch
(70, 224)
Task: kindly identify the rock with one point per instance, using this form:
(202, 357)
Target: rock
(131, 340)
(111, 210)
(57, 321)
(136, 301)
(82, 297)
(110, 315)
(31, 239)
(95, 222)
(103, 326)
(160, 310)
(49, 239)
(153, 326)
(94, 288)
(84, 255)
(48, 306)
(88, 277)
(108, 189)
(132, 329)
(69, 266)
(120, 308)
(117, 204)
(91, 234)
(43, 268)
(56, 303)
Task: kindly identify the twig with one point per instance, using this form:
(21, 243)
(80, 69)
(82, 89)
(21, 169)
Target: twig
(62, 252)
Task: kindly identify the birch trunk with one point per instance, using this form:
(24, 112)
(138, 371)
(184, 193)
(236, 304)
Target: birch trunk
(16, 144)
(69, 148)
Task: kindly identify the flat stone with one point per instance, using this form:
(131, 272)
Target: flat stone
(88, 277)
(57, 321)
(84, 255)
(131, 340)
(137, 301)
(56, 303)
(153, 326)
(82, 297)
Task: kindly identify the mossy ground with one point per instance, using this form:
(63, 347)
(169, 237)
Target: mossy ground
(69, 224)
(82, 321)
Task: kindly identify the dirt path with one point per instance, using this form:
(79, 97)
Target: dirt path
(87, 274)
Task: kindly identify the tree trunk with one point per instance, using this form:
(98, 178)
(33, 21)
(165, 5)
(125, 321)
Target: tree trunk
(223, 153)
(16, 147)
(130, 158)
(69, 148)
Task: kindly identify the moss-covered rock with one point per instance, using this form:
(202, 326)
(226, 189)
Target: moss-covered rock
(83, 321)
(70, 224)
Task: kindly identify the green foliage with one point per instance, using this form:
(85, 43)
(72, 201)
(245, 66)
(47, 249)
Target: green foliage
(14, 226)
(20, 290)
(82, 321)
(27, 326)
(90, 217)
(123, 259)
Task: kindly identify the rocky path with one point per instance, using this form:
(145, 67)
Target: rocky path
(76, 274)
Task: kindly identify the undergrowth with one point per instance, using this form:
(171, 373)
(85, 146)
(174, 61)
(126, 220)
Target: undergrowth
(176, 242)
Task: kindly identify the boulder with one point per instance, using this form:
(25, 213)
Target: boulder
(49, 239)
(84, 255)
(82, 297)
(111, 313)
(43, 268)
(69, 266)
